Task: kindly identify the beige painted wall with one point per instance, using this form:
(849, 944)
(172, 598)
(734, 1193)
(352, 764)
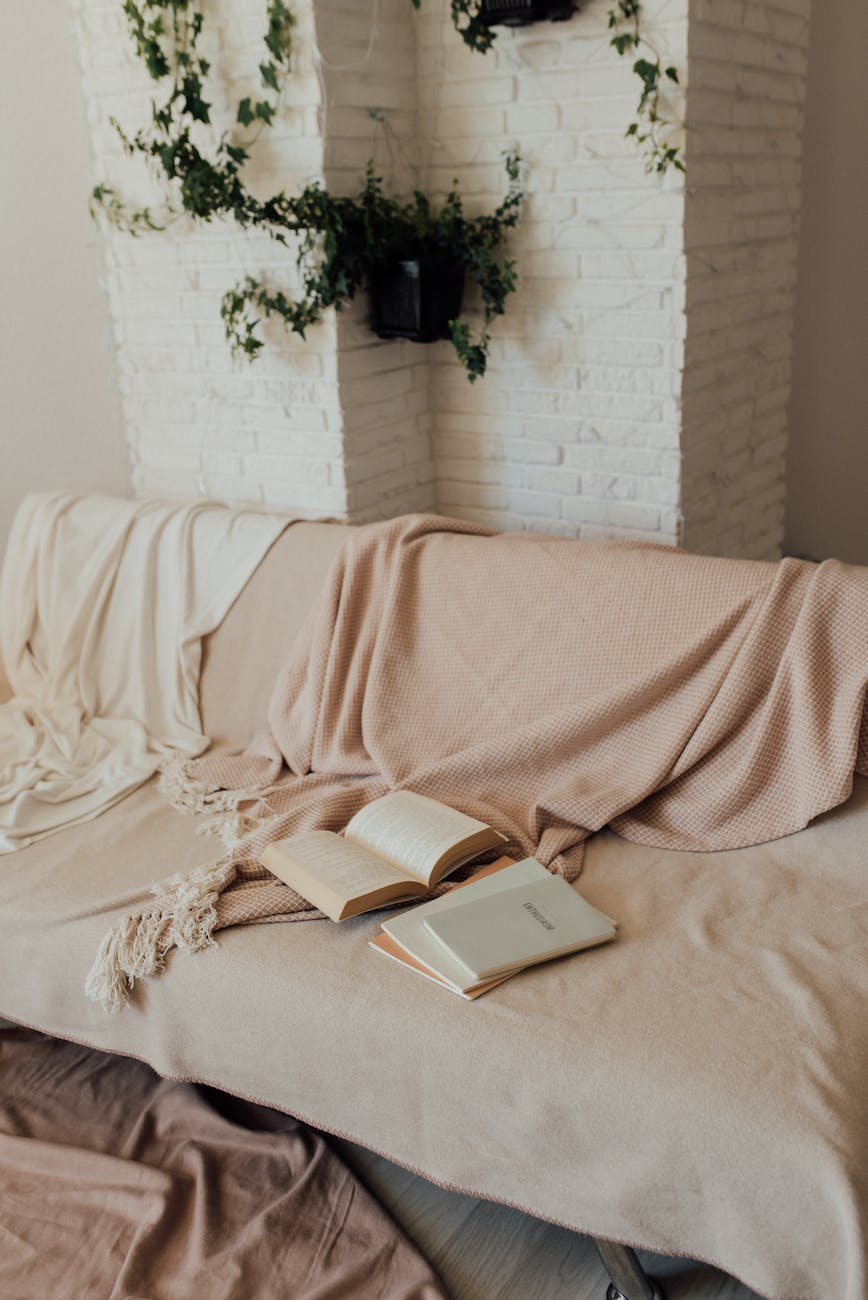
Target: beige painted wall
(60, 418)
(827, 507)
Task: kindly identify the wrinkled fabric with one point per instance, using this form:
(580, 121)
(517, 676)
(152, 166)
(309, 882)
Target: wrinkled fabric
(552, 687)
(103, 605)
(116, 1183)
(696, 1087)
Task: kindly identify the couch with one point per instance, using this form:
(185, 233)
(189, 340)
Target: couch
(734, 998)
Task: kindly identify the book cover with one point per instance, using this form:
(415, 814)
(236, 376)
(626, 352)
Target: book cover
(407, 939)
(531, 922)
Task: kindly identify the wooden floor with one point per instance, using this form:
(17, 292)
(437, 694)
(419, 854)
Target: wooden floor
(489, 1252)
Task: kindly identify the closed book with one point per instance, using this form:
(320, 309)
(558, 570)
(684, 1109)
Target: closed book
(529, 923)
(406, 939)
(389, 947)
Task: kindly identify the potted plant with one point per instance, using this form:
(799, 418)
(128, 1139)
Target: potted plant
(417, 298)
(415, 256)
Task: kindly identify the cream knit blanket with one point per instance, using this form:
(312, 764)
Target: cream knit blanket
(103, 605)
(549, 687)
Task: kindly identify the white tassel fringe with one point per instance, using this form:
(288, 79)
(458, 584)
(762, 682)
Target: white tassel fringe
(186, 914)
(187, 795)
(136, 948)
(231, 828)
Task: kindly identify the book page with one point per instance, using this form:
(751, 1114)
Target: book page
(389, 947)
(410, 830)
(343, 867)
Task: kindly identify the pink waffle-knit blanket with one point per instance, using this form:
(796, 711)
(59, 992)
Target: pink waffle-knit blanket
(549, 687)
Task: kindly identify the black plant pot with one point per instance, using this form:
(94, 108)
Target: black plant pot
(417, 299)
(518, 13)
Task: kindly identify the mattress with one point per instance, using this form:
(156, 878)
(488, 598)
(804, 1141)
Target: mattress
(696, 1087)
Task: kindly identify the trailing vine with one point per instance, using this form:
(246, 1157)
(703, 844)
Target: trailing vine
(165, 35)
(342, 241)
(467, 21)
(649, 126)
(346, 240)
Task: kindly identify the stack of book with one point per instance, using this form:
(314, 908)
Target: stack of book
(507, 916)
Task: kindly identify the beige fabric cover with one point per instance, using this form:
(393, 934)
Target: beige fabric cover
(116, 1184)
(697, 1087)
(546, 686)
(240, 661)
(106, 681)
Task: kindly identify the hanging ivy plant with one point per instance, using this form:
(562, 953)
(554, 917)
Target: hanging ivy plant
(166, 35)
(342, 241)
(649, 126)
(468, 23)
(345, 241)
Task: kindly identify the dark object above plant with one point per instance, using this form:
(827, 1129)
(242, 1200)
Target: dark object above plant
(519, 13)
(343, 241)
(474, 19)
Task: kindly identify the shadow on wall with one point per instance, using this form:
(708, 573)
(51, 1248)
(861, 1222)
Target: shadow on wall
(827, 479)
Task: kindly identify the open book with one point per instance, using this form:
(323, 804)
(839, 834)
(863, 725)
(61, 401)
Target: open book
(394, 849)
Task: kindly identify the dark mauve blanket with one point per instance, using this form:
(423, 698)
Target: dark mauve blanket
(116, 1184)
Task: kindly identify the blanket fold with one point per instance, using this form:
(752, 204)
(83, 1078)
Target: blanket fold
(117, 1183)
(103, 606)
(547, 686)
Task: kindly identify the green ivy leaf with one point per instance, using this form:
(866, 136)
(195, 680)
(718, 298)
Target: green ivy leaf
(649, 72)
(268, 72)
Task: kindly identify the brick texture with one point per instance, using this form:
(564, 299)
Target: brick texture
(367, 52)
(575, 429)
(637, 384)
(197, 421)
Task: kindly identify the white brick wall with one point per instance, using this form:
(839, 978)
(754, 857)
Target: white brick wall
(368, 53)
(575, 428)
(583, 424)
(197, 421)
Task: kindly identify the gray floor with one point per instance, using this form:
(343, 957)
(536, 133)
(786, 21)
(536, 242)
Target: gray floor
(489, 1252)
